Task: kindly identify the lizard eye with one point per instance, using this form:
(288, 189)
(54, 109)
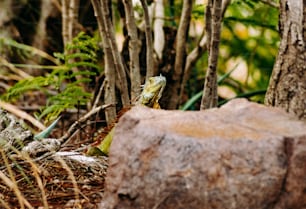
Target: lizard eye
(150, 80)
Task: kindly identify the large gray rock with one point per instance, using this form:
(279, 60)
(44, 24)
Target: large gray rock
(242, 155)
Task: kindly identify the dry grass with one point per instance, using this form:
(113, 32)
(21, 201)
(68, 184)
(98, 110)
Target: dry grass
(53, 181)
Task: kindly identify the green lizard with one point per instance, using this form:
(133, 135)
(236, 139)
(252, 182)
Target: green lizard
(150, 95)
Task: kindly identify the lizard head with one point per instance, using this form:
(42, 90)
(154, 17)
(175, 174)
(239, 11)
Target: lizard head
(152, 91)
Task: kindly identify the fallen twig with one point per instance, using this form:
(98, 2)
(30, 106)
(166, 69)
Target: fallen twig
(21, 114)
(83, 119)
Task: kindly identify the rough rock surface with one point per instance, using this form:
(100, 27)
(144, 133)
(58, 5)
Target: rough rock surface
(12, 132)
(242, 155)
(14, 135)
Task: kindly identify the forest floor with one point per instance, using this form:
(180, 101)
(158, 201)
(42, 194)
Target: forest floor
(68, 180)
(52, 181)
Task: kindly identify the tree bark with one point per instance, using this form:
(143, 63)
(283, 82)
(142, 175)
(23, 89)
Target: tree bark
(73, 12)
(109, 68)
(213, 30)
(287, 88)
(65, 22)
(41, 28)
(134, 49)
(180, 53)
(118, 63)
(149, 47)
(198, 51)
(158, 28)
(7, 27)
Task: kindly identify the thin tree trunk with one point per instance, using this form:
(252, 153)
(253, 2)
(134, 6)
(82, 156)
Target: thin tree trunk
(73, 12)
(109, 68)
(159, 35)
(149, 47)
(118, 63)
(70, 12)
(213, 28)
(180, 53)
(134, 49)
(198, 51)
(65, 22)
(287, 88)
(41, 29)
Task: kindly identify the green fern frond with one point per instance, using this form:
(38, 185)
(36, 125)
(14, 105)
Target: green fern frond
(67, 78)
(52, 111)
(81, 56)
(59, 56)
(84, 43)
(71, 98)
(23, 86)
(83, 64)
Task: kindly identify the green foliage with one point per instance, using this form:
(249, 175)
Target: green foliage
(35, 83)
(65, 85)
(249, 38)
(198, 11)
(252, 35)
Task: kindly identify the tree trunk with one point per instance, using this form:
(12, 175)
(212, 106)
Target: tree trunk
(213, 19)
(109, 68)
(180, 53)
(287, 88)
(134, 48)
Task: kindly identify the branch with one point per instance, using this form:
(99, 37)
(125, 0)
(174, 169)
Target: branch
(79, 122)
(99, 94)
(20, 74)
(21, 114)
